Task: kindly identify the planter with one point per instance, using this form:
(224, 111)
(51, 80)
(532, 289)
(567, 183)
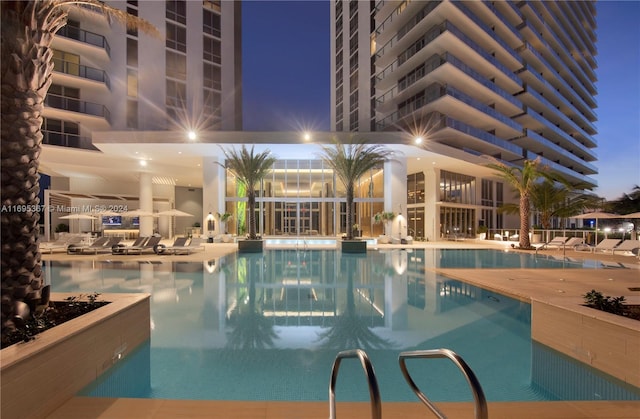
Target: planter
(354, 246)
(250, 246)
(39, 376)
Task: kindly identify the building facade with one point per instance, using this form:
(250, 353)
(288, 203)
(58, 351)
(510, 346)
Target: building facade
(507, 80)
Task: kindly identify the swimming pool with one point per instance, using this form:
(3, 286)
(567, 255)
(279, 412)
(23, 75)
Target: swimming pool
(268, 326)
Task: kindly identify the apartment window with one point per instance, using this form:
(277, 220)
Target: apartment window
(176, 37)
(211, 49)
(339, 76)
(339, 42)
(212, 109)
(66, 62)
(415, 188)
(176, 65)
(64, 91)
(133, 2)
(353, 121)
(132, 114)
(339, 94)
(212, 76)
(456, 187)
(353, 81)
(212, 5)
(339, 24)
(486, 198)
(339, 59)
(177, 10)
(176, 94)
(353, 101)
(353, 24)
(353, 62)
(132, 52)
(339, 113)
(132, 83)
(353, 44)
(133, 12)
(58, 132)
(211, 23)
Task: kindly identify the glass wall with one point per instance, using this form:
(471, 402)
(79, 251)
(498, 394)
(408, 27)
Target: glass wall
(303, 197)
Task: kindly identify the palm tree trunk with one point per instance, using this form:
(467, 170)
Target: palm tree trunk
(251, 198)
(350, 211)
(525, 215)
(27, 31)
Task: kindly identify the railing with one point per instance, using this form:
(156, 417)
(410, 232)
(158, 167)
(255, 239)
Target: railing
(374, 391)
(83, 71)
(481, 410)
(77, 105)
(86, 37)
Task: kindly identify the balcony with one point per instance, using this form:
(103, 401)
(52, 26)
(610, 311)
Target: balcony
(67, 140)
(94, 111)
(78, 70)
(86, 37)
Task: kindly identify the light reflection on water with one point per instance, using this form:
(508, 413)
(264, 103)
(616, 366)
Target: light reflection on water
(267, 326)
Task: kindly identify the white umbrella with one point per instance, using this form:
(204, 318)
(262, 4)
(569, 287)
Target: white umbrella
(174, 213)
(596, 216)
(632, 215)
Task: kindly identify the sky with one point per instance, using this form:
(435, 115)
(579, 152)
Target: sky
(286, 67)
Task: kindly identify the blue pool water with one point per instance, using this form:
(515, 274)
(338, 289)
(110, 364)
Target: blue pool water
(268, 326)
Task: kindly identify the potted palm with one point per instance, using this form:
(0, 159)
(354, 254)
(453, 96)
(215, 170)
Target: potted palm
(249, 168)
(349, 163)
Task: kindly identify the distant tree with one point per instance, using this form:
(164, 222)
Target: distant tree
(28, 28)
(556, 200)
(523, 180)
(626, 204)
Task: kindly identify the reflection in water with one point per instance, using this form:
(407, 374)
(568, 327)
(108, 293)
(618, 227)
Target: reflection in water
(291, 311)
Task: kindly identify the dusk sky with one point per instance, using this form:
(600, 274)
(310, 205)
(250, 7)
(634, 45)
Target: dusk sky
(286, 67)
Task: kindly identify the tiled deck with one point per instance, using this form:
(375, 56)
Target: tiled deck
(557, 287)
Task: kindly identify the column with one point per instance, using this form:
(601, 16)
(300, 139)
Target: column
(213, 191)
(146, 203)
(395, 194)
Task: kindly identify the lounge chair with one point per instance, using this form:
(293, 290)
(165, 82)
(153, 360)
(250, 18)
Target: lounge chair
(181, 247)
(136, 246)
(575, 243)
(101, 245)
(604, 246)
(557, 242)
(61, 244)
(149, 246)
(626, 246)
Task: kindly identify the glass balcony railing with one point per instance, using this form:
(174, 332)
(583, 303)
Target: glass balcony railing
(396, 12)
(557, 149)
(74, 69)
(437, 91)
(465, 10)
(86, 37)
(77, 105)
(67, 140)
(547, 125)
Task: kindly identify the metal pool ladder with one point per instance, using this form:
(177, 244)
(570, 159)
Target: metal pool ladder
(481, 411)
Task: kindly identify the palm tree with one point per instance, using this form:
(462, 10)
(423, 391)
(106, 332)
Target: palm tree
(28, 28)
(523, 180)
(556, 200)
(249, 169)
(349, 163)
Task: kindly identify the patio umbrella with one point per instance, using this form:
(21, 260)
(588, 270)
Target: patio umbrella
(174, 213)
(597, 216)
(78, 217)
(632, 215)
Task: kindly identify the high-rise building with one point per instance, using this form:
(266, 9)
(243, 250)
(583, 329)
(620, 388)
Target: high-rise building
(509, 80)
(107, 77)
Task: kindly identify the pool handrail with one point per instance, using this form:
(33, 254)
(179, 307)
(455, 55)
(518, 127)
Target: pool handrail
(481, 410)
(374, 390)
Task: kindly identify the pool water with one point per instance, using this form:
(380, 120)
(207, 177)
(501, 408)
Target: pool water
(268, 326)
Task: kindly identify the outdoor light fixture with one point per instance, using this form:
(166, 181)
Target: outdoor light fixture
(210, 223)
(307, 136)
(418, 140)
(143, 163)
(191, 135)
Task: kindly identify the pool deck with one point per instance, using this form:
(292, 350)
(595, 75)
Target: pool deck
(557, 287)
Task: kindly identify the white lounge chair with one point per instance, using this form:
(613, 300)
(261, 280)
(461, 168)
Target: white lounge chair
(606, 245)
(626, 246)
(575, 243)
(61, 244)
(556, 242)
